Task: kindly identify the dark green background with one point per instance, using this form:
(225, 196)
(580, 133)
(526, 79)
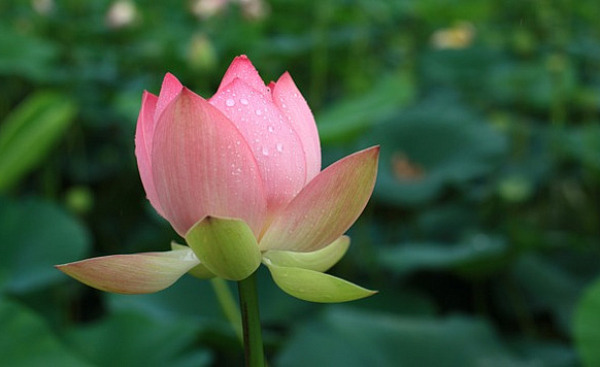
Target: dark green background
(482, 236)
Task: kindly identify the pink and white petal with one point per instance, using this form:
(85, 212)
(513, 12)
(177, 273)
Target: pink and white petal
(292, 105)
(199, 271)
(143, 147)
(132, 274)
(202, 166)
(171, 87)
(274, 143)
(326, 207)
(241, 68)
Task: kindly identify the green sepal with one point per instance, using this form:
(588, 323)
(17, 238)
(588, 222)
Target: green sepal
(199, 271)
(314, 286)
(320, 260)
(227, 247)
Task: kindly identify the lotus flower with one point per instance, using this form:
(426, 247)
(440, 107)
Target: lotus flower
(239, 177)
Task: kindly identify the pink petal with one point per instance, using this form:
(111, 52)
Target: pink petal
(143, 147)
(132, 274)
(242, 68)
(326, 207)
(293, 106)
(171, 87)
(273, 141)
(202, 166)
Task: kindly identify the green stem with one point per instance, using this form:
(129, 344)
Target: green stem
(228, 305)
(253, 345)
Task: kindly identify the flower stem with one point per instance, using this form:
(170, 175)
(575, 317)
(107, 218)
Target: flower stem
(228, 306)
(253, 345)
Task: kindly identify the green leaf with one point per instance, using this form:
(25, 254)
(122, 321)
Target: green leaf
(227, 247)
(548, 288)
(587, 326)
(477, 253)
(314, 286)
(34, 236)
(29, 132)
(320, 260)
(28, 342)
(349, 338)
(422, 152)
(187, 300)
(24, 54)
(133, 339)
(348, 118)
(545, 353)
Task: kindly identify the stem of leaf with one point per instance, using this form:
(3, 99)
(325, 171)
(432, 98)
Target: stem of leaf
(253, 345)
(228, 305)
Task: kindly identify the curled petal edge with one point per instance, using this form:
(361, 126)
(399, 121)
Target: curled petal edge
(141, 273)
(199, 271)
(320, 260)
(326, 207)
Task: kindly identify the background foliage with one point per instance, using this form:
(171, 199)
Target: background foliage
(483, 233)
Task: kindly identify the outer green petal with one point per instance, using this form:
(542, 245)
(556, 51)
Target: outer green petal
(132, 274)
(227, 247)
(320, 260)
(199, 271)
(314, 286)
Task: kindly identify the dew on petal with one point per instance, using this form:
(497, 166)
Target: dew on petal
(265, 151)
(244, 101)
(271, 129)
(230, 102)
(258, 112)
(279, 147)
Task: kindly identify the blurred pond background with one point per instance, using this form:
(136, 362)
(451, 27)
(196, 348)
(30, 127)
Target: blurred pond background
(483, 233)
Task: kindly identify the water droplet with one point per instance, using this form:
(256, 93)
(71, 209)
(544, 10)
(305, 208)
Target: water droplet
(279, 147)
(237, 142)
(258, 112)
(265, 151)
(271, 129)
(230, 102)
(283, 105)
(244, 101)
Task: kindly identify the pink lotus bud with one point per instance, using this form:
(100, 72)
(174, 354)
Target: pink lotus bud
(239, 176)
(245, 153)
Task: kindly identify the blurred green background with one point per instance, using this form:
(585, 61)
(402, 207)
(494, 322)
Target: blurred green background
(483, 233)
